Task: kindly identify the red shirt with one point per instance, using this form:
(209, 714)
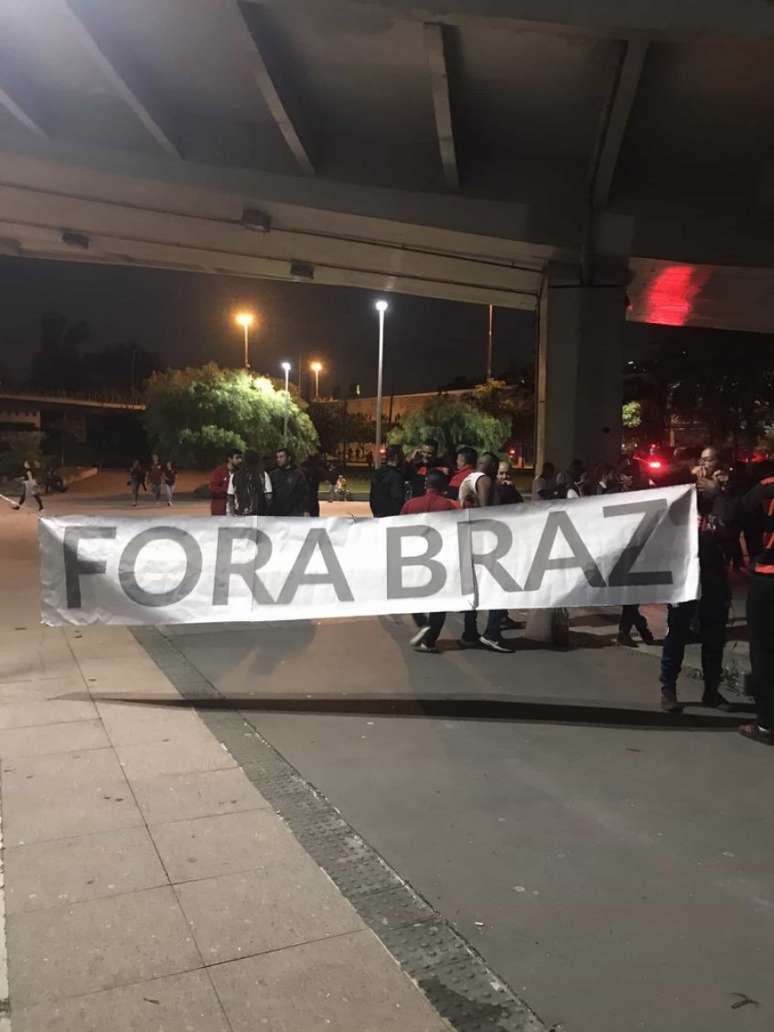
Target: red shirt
(460, 475)
(430, 501)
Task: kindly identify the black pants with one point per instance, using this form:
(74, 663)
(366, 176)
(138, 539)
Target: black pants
(631, 617)
(24, 497)
(712, 609)
(760, 626)
(492, 629)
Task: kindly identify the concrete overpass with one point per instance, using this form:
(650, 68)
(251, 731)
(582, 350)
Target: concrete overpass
(591, 160)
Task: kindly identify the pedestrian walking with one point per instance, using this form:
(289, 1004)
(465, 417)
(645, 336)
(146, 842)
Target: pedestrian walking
(288, 487)
(252, 487)
(169, 479)
(222, 485)
(716, 526)
(156, 477)
(30, 488)
(136, 481)
(388, 487)
(431, 500)
(760, 611)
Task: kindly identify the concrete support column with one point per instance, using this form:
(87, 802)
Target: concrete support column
(579, 376)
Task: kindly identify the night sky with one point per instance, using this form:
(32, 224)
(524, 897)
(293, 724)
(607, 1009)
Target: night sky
(188, 319)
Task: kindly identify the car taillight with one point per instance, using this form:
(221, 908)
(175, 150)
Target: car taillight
(654, 464)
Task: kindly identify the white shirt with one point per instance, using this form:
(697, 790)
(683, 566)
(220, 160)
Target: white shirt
(468, 489)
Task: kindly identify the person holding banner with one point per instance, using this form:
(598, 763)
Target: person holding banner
(478, 491)
(716, 527)
(433, 500)
(760, 611)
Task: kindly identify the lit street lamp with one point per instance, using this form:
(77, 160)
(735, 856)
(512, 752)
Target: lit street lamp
(245, 320)
(381, 308)
(316, 368)
(286, 367)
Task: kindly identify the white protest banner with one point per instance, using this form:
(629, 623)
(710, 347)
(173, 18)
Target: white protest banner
(601, 551)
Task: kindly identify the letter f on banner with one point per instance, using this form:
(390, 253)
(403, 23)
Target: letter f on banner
(74, 566)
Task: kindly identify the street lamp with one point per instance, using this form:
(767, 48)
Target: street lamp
(316, 368)
(381, 308)
(245, 320)
(286, 368)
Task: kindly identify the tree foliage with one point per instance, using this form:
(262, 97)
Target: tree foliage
(451, 422)
(337, 426)
(196, 415)
(514, 402)
(631, 415)
(720, 379)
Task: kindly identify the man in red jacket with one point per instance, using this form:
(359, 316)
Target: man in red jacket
(222, 485)
(432, 500)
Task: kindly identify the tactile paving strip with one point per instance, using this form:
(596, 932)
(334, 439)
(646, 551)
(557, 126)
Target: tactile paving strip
(450, 973)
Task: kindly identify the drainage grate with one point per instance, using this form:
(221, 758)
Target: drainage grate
(450, 973)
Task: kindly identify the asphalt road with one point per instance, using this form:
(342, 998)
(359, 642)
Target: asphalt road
(613, 865)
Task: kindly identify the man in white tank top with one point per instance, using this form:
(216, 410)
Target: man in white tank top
(477, 491)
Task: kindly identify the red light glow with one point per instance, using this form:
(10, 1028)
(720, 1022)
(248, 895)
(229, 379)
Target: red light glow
(669, 297)
(654, 465)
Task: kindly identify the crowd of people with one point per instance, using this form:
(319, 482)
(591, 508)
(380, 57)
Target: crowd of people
(159, 479)
(735, 506)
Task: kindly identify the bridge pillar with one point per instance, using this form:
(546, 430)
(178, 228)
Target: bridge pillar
(579, 376)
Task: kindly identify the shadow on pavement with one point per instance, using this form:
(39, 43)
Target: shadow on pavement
(483, 709)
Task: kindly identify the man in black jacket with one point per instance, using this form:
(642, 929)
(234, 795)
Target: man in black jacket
(388, 487)
(717, 526)
(760, 609)
(289, 487)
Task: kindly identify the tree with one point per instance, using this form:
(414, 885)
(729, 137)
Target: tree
(631, 415)
(337, 426)
(516, 403)
(721, 379)
(451, 422)
(196, 415)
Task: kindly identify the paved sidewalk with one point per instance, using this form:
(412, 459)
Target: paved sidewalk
(149, 885)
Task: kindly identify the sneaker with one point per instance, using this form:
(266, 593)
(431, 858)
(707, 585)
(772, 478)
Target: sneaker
(669, 703)
(470, 643)
(756, 733)
(422, 646)
(647, 636)
(627, 640)
(495, 644)
(420, 636)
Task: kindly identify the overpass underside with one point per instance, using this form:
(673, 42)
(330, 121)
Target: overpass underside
(616, 167)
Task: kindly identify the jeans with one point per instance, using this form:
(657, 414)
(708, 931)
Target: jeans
(760, 626)
(492, 629)
(169, 492)
(156, 490)
(712, 609)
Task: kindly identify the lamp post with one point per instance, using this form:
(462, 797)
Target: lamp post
(316, 368)
(245, 320)
(381, 308)
(286, 368)
(489, 345)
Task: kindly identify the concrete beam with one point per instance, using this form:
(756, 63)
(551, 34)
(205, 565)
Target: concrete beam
(436, 54)
(125, 80)
(623, 90)
(19, 99)
(278, 93)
